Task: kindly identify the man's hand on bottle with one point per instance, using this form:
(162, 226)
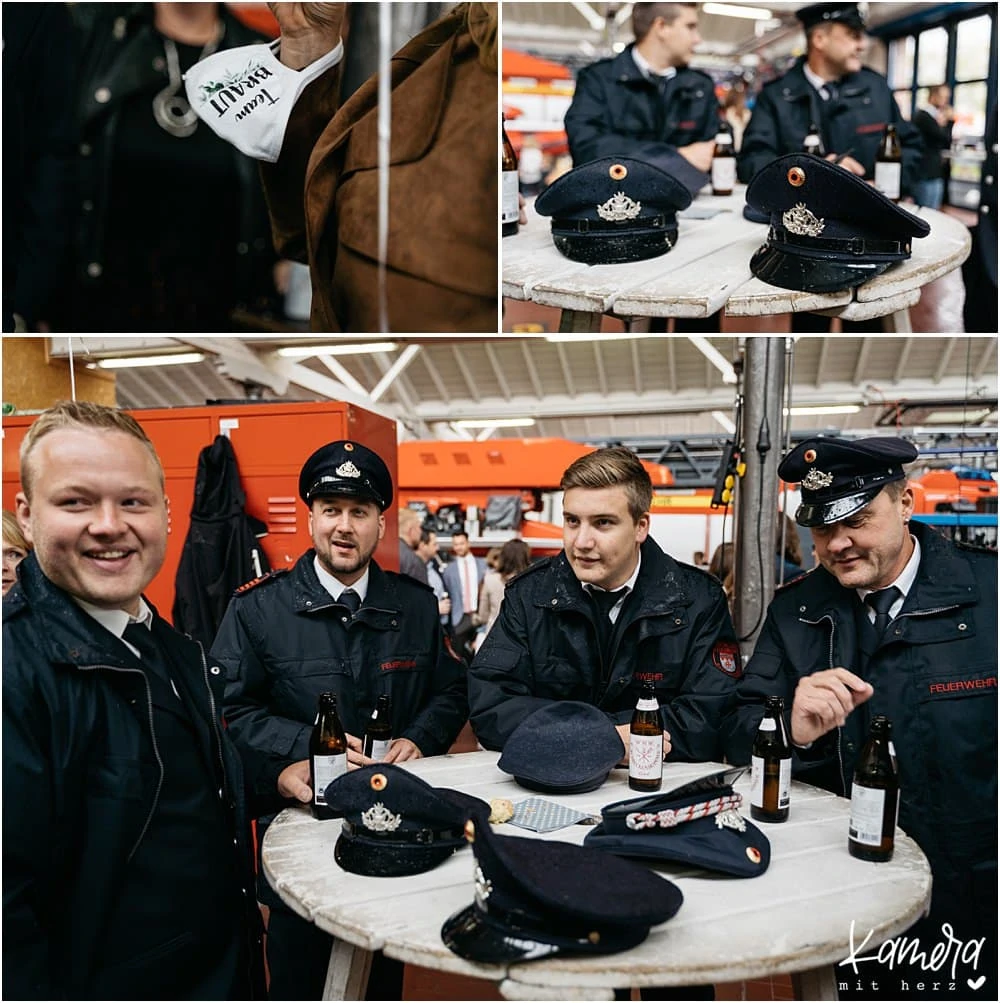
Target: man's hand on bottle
(624, 731)
(699, 154)
(401, 750)
(823, 702)
(293, 782)
(308, 30)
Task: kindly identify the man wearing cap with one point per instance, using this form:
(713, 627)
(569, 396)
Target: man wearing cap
(828, 87)
(646, 102)
(612, 609)
(335, 622)
(898, 621)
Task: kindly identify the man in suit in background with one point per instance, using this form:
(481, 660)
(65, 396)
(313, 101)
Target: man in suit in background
(463, 576)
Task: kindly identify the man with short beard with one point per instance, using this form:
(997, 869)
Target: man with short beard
(902, 622)
(336, 622)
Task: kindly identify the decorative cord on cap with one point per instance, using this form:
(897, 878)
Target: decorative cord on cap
(669, 818)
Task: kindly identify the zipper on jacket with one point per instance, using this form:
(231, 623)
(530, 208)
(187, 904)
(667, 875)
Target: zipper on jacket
(214, 719)
(152, 735)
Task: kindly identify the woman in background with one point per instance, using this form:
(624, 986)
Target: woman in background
(15, 549)
(514, 557)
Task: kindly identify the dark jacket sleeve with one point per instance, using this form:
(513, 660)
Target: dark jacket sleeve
(31, 839)
(438, 723)
(761, 141)
(267, 742)
(590, 129)
(770, 672)
(501, 677)
(694, 716)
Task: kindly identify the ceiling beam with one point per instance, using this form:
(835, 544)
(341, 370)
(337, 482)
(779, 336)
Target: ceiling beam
(395, 370)
(824, 350)
(904, 357)
(602, 376)
(986, 358)
(671, 366)
(863, 356)
(435, 374)
(240, 363)
(636, 368)
(497, 370)
(564, 363)
(342, 373)
(303, 376)
(532, 369)
(463, 368)
(945, 360)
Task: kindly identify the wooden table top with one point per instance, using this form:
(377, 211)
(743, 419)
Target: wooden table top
(794, 918)
(710, 269)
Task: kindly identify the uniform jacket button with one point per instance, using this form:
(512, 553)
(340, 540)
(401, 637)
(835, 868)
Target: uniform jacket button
(102, 95)
(94, 269)
(215, 670)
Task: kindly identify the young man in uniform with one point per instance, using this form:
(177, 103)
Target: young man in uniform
(897, 621)
(646, 102)
(336, 622)
(611, 608)
(127, 860)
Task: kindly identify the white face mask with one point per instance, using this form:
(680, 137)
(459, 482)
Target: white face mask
(245, 95)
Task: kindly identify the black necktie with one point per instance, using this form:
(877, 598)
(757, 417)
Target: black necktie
(881, 601)
(141, 638)
(832, 89)
(351, 600)
(604, 603)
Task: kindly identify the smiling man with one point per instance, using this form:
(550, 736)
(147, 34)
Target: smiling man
(122, 796)
(336, 622)
(898, 621)
(610, 610)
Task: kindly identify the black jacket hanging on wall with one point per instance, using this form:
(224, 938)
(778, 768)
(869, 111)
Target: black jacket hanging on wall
(221, 551)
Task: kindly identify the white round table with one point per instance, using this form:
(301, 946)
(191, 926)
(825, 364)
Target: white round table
(795, 918)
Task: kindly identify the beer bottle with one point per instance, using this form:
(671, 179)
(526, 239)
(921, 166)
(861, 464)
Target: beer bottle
(889, 165)
(813, 142)
(723, 162)
(770, 766)
(875, 796)
(645, 749)
(378, 734)
(509, 210)
(327, 753)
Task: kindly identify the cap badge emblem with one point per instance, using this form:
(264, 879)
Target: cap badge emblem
(730, 819)
(484, 887)
(619, 208)
(801, 221)
(378, 818)
(816, 480)
(347, 469)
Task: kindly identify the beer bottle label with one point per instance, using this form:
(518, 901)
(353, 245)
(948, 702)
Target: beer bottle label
(645, 757)
(757, 779)
(651, 704)
(867, 807)
(326, 769)
(768, 724)
(379, 748)
(508, 190)
(887, 178)
(723, 173)
(784, 783)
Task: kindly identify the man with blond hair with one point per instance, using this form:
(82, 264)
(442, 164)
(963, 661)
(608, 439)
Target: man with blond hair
(122, 797)
(610, 611)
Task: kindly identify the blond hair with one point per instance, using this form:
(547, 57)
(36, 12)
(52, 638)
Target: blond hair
(80, 414)
(615, 466)
(408, 518)
(12, 535)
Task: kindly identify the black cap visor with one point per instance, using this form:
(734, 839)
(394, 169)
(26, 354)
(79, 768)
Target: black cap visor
(603, 248)
(825, 513)
(477, 936)
(334, 487)
(385, 859)
(812, 275)
(583, 787)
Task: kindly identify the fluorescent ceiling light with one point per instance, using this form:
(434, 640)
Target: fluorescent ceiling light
(725, 421)
(737, 10)
(360, 348)
(599, 337)
(494, 423)
(135, 361)
(823, 409)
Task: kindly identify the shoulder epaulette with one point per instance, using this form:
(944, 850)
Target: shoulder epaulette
(254, 582)
(792, 582)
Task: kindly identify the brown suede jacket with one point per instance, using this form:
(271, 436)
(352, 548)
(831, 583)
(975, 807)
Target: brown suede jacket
(442, 248)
